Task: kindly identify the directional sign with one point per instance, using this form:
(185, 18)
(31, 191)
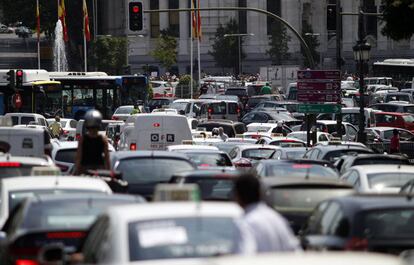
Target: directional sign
(315, 74)
(329, 85)
(319, 97)
(319, 108)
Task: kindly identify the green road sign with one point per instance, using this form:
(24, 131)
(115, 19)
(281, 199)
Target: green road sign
(319, 108)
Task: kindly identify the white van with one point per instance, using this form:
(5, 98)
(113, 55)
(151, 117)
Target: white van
(27, 141)
(155, 131)
(27, 118)
(217, 110)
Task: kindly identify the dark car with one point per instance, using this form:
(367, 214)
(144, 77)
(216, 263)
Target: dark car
(295, 198)
(159, 102)
(376, 223)
(344, 163)
(264, 116)
(213, 184)
(334, 152)
(240, 92)
(256, 100)
(49, 219)
(394, 107)
(143, 170)
(230, 128)
(295, 168)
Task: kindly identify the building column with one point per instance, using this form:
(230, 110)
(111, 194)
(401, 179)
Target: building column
(164, 15)
(349, 25)
(291, 12)
(183, 43)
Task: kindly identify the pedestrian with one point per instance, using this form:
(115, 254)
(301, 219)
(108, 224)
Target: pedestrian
(395, 142)
(222, 135)
(136, 109)
(56, 128)
(266, 89)
(271, 231)
(279, 127)
(92, 153)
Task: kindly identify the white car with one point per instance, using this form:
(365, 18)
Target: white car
(68, 127)
(15, 190)
(162, 88)
(301, 135)
(122, 113)
(27, 118)
(185, 147)
(379, 178)
(282, 141)
(148, 233)
(15, 166)
(244, 156)
(64, 154)
(165, 111)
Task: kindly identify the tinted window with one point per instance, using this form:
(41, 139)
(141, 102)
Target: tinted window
(66, 155)
(210, 159)
(73, 124)
(124, 110)
(26, 120)
(213, 188)
(408, 109)
(150, 170)
(389, 224)
(6, 172)
(300, 170)
(218, 108)
(233, 108)
(252, 102)
(15, 120)
(181, 238)
(380, 160)
(237, 92)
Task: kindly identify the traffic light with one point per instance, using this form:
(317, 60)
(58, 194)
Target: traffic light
(135, 16)
(19, 78)
(11, 78)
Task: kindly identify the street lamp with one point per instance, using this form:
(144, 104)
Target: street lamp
(361, 56)
(239, 35)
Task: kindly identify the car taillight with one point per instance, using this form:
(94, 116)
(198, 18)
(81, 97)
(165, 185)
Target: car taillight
(26, 262)
(357, 243)
(62, 235)
(133, 147)
(10, 164)
(78, 137)
(63, 168)
(243, 163)
(115, 118)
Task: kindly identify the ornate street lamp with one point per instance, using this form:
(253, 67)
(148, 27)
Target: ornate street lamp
(361, 55)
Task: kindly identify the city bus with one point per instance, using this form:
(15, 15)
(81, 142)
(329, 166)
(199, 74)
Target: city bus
(82, 91)
(401, 70)
(38, 94)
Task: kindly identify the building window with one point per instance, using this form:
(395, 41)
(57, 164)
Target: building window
(174, 18)
(154, 19)
(242, 17)
(331, 16)
(274, 7)
(370, 21)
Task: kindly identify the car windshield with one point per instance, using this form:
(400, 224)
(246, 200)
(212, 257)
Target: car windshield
(15, 197)
(259, 153)
(300, 171)
(124, 110)
(210, 159)
(389, 224)
(151, 170)
(408, 118)
(304, 198)
(182, 238)
(213, 188)
(389, 179)
(179, 105)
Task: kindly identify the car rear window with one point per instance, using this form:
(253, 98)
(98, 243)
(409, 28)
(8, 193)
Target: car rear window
(210, 159)
(389, 180)
(408, 118)
(252, 102)
(26, 120)
(381, 161)
(7, 172)
(212, 188)
(237, 92)
(66, 155)
(218, 108)
(124, 110)
(301, 170)
(304, 198)
(387, 224)
(260, 153)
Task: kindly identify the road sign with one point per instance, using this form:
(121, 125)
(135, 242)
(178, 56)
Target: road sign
(319, 97)
(328, 85)
(319, 108)
(319, 74)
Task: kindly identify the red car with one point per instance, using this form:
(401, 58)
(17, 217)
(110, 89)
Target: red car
(395, 119)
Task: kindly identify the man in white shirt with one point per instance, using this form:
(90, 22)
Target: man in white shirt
(271, 231)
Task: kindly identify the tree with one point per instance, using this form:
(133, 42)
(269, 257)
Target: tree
(312, 42)
(226, 49)
(165, 49)
(108, 54)
(278, 42)
(398, 16)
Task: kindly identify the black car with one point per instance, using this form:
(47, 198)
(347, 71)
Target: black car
(378, 223)
(334, 152)
(159, 102)
(143, 170)
(230, 128)
(214, 185)
(264, 116)
(295, 198)
(52, 219)
(240, 92)
(345, 162)
(254, 101)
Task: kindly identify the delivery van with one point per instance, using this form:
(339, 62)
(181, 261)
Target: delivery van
(155, 131)
(27, 141)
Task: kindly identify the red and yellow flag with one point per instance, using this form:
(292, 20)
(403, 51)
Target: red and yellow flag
(196, 19)
(86, 31)
(37, 20)
(62, 17)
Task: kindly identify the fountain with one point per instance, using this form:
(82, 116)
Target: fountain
(60, 63)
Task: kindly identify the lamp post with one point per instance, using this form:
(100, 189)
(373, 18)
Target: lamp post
(239, 35)
(361, 55)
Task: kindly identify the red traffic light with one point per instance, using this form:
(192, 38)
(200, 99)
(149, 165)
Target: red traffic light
(19, 73)
(135, 9)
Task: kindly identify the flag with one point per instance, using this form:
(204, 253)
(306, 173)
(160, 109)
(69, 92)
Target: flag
(196, 19)
(86, 31)
(37, 20)
(62, 17)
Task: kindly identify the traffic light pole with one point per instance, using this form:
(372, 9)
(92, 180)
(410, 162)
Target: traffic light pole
(257, 10)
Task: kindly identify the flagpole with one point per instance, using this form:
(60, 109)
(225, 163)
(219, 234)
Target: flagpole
(58, 50)
(199, 63)
(191, 57)
(38, 33)
(85, 53)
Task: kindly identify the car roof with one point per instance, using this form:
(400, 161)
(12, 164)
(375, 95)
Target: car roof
(58, 182)
(153, 154)
(296, 161)
(382, 128)
(166, 210)
(84, 196)
(341, 147)
(372, 169)
(393, 103)
(190, 147)
(313, 181)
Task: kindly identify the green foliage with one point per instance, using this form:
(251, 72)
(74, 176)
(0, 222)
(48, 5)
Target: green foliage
(182, 89)
(398, 16)
(226, 49)
(312, 42)
(165, 49)
(108, 54)
(278, 42)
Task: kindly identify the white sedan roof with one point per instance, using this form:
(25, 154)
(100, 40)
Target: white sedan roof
(58, 182)
(161, 210)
